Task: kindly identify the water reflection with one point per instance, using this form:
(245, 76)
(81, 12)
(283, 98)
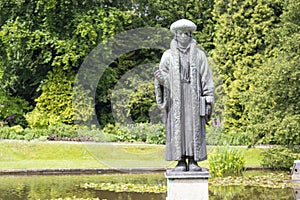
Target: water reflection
(296, 192)
(248, 192)
(51, 187)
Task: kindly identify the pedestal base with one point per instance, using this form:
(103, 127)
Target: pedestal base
(296, 192)
(187, 185)
(296, 177)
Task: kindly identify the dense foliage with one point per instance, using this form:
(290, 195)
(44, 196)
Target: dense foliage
(273, 108)
(253, 47)
(240, 37)
(257, 55)
(142, 132)
(280, 158)
(12, 110)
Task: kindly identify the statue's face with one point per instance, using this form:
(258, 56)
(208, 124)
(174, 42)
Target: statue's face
(184, 37)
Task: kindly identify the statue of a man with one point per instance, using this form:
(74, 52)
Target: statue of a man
(185, 93)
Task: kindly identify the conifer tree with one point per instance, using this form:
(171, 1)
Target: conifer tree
(240, 46)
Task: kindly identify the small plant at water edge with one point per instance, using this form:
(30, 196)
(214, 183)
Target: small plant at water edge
(224, 161)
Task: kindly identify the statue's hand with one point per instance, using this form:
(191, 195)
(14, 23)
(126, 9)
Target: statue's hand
(208, 112)
(158, 75)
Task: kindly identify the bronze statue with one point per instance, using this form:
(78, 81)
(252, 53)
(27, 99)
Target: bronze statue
(185, 93)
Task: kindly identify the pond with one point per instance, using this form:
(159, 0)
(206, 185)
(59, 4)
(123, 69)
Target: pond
(54, 187)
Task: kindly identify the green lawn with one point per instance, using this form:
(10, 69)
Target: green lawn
(18, 155)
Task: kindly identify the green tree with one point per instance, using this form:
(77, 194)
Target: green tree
(54, 105)
(161, 13)
(52, 37)
(240, 47)
(141, 101)
(125, 91)
(274, 98)
(40, 38)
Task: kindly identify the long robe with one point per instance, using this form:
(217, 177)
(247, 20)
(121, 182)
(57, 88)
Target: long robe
(184, 102)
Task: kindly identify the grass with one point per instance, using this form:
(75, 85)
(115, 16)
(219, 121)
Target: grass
(23, 154)
(252, 156)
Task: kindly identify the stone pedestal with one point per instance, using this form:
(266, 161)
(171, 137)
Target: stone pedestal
(296, 171)
(187, 185)
(296, 192)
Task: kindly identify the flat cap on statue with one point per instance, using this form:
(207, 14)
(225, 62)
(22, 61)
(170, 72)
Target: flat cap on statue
(184, 25)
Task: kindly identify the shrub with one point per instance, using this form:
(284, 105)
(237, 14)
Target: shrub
(142, 132)
(156, 134)
(17, 132)
(224, 161)
(95, 135)
(279, 158)
(63, 131)
(141, 101)
(17, 129)
(121, 133)
(12, 110)
(14, 132)
(57, 89)
(35, 133)
(235, 138)
(38, 119)
(213, 135)
(5, 132)
(288, 131)
(56, 132)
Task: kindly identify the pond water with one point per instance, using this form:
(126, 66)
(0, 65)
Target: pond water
(54, 187)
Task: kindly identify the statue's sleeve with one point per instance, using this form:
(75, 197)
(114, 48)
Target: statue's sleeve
(164, 67)
(161, 89)
(206, 79)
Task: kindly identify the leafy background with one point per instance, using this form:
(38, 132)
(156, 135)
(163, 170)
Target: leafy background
(253, 47)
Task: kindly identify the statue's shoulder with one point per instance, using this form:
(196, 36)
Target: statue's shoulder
(201, 52)
(167, 53)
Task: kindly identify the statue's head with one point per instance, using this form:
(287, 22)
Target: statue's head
(183, 30)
